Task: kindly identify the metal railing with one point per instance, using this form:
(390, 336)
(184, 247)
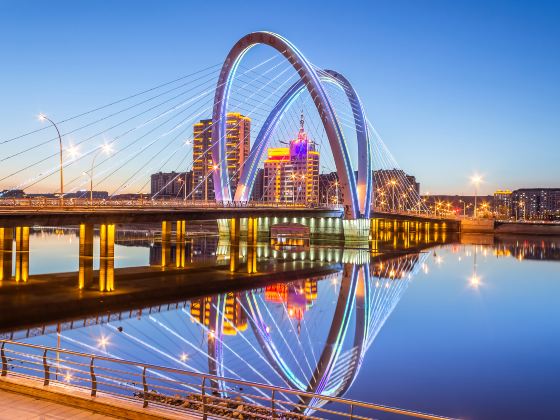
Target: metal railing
(75, 203)
(178, 390)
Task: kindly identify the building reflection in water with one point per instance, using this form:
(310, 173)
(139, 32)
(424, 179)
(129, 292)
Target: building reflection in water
(310, 334)
(530, 248)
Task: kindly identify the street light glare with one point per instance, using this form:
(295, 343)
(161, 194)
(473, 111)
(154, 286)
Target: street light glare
(73, 151)
(41, 117)
(107, 148)
(476, 179)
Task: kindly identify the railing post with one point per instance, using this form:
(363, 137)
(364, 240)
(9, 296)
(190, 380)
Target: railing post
(351, 411)
(93, 379)
(272, 405)
(46, 368)
(145, 384)
(203, 398)
(4, 360)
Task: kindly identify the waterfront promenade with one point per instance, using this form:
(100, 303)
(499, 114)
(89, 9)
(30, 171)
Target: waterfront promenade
(19, 406)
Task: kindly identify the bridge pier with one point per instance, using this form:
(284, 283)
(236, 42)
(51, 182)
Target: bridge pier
(22, 253)
(106, 257)
(165, 243)
(6, 247)
(85, 273)
(356, 230)
(180, 236)
(234, 240)
(252, 235)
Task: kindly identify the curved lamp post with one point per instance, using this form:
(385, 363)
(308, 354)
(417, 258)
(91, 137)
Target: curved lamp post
(476, 180)
(107, 149)
(43, 117)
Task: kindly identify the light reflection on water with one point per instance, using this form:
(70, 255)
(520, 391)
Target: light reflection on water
(458, 330)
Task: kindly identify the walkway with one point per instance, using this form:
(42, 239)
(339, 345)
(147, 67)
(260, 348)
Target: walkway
(23, 407)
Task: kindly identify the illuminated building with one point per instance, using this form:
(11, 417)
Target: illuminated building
(502, 203)
(291, 174)
(297, 296)
(238, 144)
(536, 203)
(200, 310)
(234, 316)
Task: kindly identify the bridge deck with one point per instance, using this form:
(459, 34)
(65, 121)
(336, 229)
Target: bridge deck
(76, 215)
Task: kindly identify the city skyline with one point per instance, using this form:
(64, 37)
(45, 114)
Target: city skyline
(441, 94)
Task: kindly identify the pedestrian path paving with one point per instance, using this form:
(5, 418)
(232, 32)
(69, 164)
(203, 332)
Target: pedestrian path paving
(23, 407)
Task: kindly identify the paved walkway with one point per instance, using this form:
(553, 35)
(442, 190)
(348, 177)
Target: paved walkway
(22, 407)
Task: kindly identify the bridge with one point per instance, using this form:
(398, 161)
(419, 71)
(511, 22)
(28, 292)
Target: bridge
(336, 119)
(370, 201)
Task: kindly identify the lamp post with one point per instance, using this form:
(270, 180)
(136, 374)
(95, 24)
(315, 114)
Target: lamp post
(464, 206)
(103, 148)
(43, 117)
(476, 180)
(393, 183)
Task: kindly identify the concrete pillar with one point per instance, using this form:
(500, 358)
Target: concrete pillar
(6, 246)
(234, 238)
(180, 257)
(165, 243)
(22, 253)
(252, 235)
(106, 258)
(85, 273)
(356, 230)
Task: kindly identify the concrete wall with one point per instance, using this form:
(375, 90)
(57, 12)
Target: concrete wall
(477, 225)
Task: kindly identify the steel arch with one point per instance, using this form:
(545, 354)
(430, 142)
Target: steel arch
(365, 185)
(312, 81)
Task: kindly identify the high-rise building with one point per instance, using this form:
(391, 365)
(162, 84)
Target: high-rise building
(291, 174)
(238, 144)
(536, 203)
(171, 184)
(502, 204)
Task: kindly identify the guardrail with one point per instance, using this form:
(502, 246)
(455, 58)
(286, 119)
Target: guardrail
(178, 390)
(148, 203)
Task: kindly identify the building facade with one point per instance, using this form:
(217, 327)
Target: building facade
(394, 189)
(503, 204)
(238, 145)
(329, 189)
(258, 186)
(291, 174)
(171, 185)
(536, 203)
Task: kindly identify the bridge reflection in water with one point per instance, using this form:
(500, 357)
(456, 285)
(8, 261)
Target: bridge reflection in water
(310, 334)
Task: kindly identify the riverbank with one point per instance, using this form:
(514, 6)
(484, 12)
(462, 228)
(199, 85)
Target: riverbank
(514, 228)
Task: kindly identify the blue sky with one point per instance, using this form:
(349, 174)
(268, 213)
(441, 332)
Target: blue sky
(453, 87)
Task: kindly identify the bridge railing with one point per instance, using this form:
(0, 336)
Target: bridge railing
(149, 203)
(173, 389)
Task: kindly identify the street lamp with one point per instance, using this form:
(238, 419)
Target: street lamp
(476, 180)
(107, 149)
(393, 183)
(42, 118)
